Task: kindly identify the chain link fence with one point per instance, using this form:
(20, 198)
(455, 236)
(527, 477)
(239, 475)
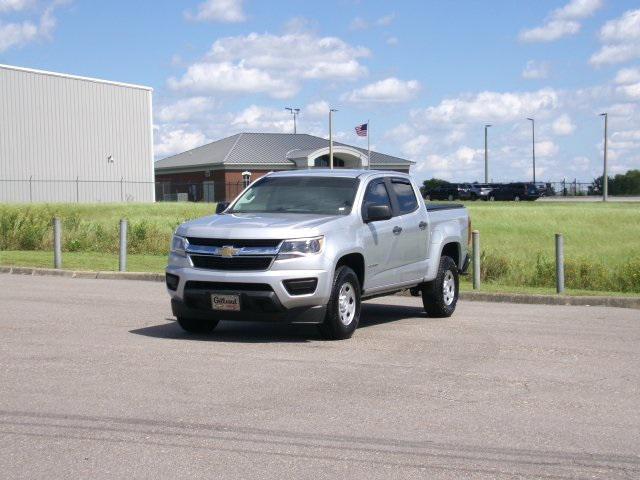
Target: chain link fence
(35, 190)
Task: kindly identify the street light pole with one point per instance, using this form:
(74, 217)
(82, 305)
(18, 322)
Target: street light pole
(486, 156)
(331, 110)
(533, 146)
(605, 179)
(294, 111)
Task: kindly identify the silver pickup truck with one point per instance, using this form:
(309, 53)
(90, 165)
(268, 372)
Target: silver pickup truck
(308, 246)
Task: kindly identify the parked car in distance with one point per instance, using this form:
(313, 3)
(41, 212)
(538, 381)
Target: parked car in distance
(543, 188)
(480, 191)
(515, 191)
(450, 191)
(307, 246)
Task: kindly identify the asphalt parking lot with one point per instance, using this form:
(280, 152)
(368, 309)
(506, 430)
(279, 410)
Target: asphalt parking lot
(97, 381)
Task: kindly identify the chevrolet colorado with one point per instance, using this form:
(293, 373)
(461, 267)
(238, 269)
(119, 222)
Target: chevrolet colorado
(308, 246)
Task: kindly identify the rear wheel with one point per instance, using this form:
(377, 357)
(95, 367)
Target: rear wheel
(492, 198)
(194, 325)
(450, 197)
(343, 309)
(516, 198)
(440, 296)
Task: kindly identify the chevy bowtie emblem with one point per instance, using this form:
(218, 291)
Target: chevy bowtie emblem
(228, 251)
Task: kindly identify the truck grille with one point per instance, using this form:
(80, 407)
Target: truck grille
(235, 263)
(237, 243)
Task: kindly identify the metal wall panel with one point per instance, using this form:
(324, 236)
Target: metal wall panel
(60, 131)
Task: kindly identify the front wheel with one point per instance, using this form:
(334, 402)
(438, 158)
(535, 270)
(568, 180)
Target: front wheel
(440, 296)
(193, 325)
(343, 309)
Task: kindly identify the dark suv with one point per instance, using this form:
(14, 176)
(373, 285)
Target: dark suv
(515, 191)
(450, 191)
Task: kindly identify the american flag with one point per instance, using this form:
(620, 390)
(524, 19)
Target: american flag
(361, 130)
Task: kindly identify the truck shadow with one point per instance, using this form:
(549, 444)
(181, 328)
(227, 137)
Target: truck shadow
(260, 332)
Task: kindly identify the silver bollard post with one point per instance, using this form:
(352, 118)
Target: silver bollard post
(559, 263)
(57, 243)
(123, 245)
(476, 259)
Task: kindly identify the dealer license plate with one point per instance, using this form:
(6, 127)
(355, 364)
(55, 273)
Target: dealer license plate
(225, 302)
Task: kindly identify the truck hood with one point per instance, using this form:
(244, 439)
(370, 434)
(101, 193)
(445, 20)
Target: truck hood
(258, 225)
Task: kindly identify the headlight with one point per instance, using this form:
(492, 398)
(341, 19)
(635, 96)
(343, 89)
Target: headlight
(179, 245)
(300, 247)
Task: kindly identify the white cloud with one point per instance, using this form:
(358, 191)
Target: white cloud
(17, 34)
(319, 109)
(546, 148)
(15, 5)
(228, 77)
(563, 125)
(550, 31)
(393, 41)
(359, 23)
(297, 54)
(628, 75)
(491, 106)
(561, 22)
(535, 70)
(185, 109)
(578, 9)
(631, 91)
(177, 141)
(271, 64)
(256, 118)
(415, 146)
(621, 38)
(226, 11)
(622, 29)
(389, 90)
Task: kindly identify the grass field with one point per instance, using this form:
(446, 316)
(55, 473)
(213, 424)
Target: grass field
(602, 241)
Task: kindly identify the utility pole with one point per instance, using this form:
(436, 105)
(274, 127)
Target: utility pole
(605, 179)
(486, 156)
(293, 111)
(331, 110)
(533, 146)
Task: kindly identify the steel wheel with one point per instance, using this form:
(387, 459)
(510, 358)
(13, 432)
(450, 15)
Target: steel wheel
(346, 304)
(448, 288)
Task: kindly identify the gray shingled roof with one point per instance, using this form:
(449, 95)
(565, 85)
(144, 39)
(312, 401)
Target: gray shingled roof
(261, 149)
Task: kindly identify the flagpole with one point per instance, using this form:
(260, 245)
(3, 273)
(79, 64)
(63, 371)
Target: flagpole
(368, 146)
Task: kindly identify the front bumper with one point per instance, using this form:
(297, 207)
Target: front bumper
(263, 295)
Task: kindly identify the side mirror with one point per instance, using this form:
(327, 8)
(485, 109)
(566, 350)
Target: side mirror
(221, 207)
(375, 213)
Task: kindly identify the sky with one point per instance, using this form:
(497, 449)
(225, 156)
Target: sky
(428, 75)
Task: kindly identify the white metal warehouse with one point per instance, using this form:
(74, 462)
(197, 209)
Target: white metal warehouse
(65, 138)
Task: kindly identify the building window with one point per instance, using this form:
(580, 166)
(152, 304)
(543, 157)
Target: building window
(323, 162)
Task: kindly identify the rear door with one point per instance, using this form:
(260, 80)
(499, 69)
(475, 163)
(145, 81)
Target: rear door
(413, 241)
(381, 240)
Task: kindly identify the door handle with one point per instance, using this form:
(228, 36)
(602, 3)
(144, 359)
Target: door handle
(422, 225)
(397, 230)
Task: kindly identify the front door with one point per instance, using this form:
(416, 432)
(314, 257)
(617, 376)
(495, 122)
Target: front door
(380, 240)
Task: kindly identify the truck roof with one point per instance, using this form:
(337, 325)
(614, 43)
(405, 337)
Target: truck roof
(336, 172)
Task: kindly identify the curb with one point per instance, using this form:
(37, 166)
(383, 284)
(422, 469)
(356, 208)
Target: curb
(532, 299)
(148, 277)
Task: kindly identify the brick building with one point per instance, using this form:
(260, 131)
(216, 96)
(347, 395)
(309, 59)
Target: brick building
(214, 172)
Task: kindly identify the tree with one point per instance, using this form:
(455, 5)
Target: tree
(429, 185)
(622, 184)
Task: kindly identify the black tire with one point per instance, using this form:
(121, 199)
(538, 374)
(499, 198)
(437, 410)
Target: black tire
(492, 198)
(450, 197)
(333, 327)
(516, 198)
(193, 325)
(435, 302)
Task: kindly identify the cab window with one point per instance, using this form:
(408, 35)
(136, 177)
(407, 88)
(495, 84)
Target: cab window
(405, 195)
(376, 194)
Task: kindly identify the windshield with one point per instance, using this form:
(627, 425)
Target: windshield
(316, 195)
